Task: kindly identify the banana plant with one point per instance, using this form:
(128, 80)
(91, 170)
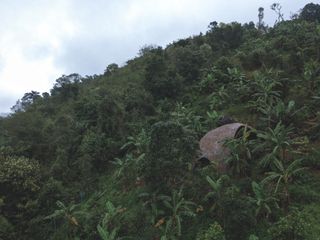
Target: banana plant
(138, 143)
(105, 234)
(152, 201)
(266, 89)
(66, 211)
(179, 208)
(279, 112)
(239, 81)
(311, 75)
(276, 142)
(125, 163)
(236, 75)
(187, 117)
(216, 193)
(108, 229)
(71, 214)
(253, 237)
(207, 83)
(240, 149)
(212, 119)
(266, 95)
(283, 176)
(262, 200)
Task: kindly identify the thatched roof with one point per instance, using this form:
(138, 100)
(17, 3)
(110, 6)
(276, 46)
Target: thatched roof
(212, 144)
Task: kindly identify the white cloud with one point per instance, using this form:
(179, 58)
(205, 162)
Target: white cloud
(19, 72)
(31, 37)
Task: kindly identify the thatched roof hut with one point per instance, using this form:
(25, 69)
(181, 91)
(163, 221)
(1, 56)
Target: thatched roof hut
(212, 144)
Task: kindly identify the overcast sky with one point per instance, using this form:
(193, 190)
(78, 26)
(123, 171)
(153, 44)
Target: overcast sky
(42, 39)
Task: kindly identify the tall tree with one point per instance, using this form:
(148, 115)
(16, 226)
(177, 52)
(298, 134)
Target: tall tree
(260, 17)
(276, 7)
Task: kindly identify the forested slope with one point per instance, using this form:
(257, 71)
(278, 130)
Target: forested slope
(113, 156)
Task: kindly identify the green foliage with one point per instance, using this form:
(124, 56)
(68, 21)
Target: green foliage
(214, 232)
(311, 12)
(283, 175)
(217, 193)
(240, 157)
(19, 173)
(276, 142)
(188, 61)
(239, 218)
(219, 98)
(111, 214)
(178, 208)
(160, 79)
(228, 36)
(253, 237)
(313, 159)
(26, 101)
(187, 118)
(310, 216)
(138, 144)
(67, 212)
(266, 97)
(291, 227)
(94, 150)
(125, 165)
(212, 119)
(208, 83)
(105, 235)
(263, 201)
(66, 87)
(170, 154)
(111, 69)
(152, 202)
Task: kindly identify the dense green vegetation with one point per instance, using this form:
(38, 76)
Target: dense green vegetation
(113, 156)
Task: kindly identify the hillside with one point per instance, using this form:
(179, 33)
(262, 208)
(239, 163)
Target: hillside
(114, 156)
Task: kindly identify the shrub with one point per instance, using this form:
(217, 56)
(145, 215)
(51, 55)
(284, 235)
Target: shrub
(214, 232)
(291, 227)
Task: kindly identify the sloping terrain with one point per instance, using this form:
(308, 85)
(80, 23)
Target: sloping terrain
(113, 156)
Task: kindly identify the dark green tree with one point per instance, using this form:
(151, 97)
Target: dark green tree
(170, 154)
(311, 12)
(111, 68)
(160, 79)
